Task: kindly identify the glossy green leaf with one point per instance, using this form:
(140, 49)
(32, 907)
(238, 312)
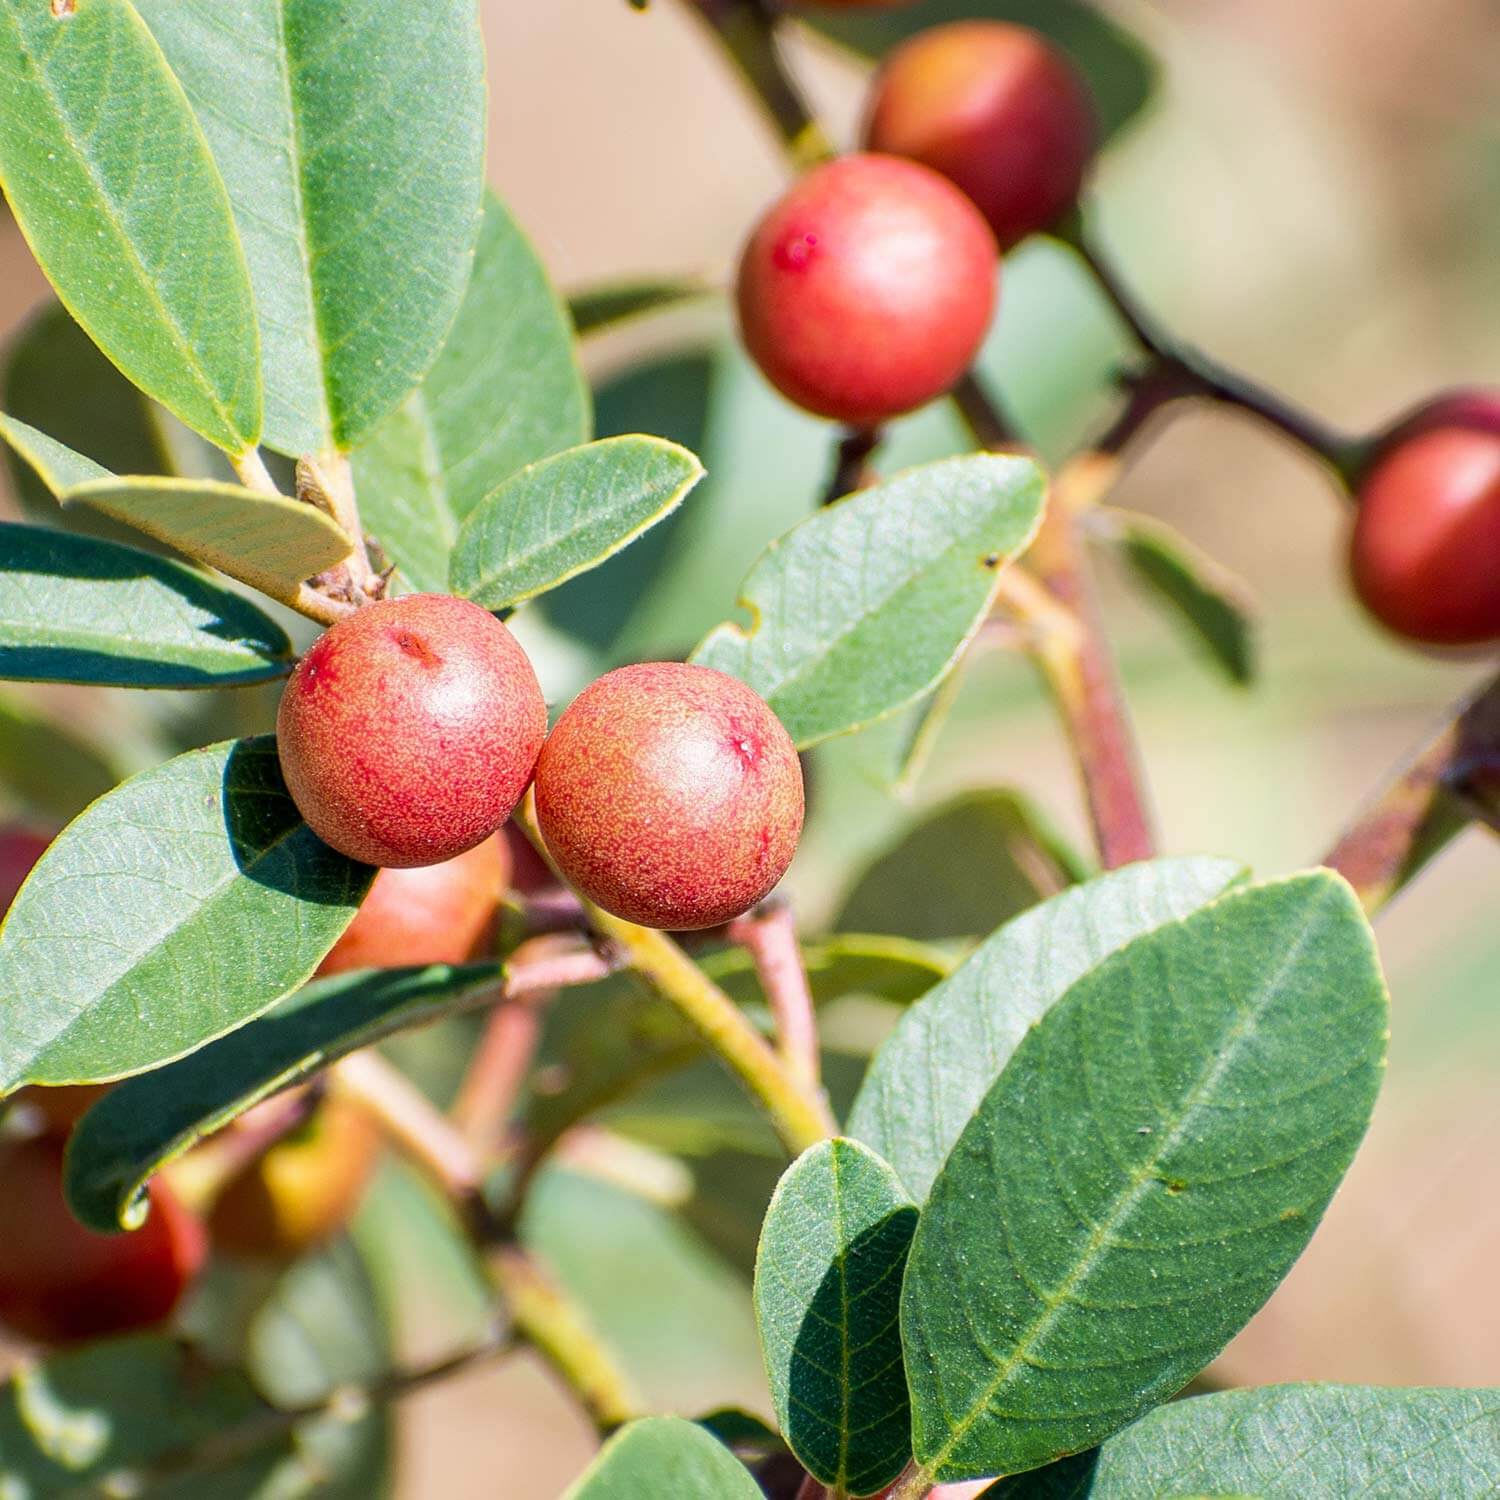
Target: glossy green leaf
(186, 902)
(145, 1122)
(1120, 72)
(866, 605)
(1206, 597)
(73, 609)
(505, 392)
(47, 767)
(268, 541)
(659, 1456)
(598, 309)
(828, 1299)
(112, 183)
(351, 138)
(961, 869)
(948, 1049)
(566, 514)
(1289, 1442)
(1150, 1163)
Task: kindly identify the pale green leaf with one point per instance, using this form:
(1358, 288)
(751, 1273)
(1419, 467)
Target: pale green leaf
(564, 515)
(1150, 1163)
(181, 905)
(268, 541)
(351, 137)
(948, 1049)
(602, 308)
(866, 605)
(827, 1298)
(112, 183)
(659, 1456)
(56, 465)
(505, 392)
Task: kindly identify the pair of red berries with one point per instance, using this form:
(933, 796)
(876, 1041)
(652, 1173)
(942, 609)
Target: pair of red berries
(668, 794)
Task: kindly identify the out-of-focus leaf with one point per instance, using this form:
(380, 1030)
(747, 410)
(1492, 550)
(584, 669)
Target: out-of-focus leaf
(46, 767)
(655, 1457)
(597, 309)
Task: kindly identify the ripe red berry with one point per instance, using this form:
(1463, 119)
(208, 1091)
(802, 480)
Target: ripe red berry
(410, 730)
(432, 914)
(867, 290)
(670, 795)
(1425, 557)
(997, 109)
(60, 1281)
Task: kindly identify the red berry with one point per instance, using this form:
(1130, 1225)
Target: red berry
(867, 290)
(410, 730)
(997, 109)
(1426, 547)
(670, 795)
(433, 914)
(20, 849)
(60, 1281)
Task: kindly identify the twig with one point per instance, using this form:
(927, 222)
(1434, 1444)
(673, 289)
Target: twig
(319, 606)
(769, 936)
(852, 469)
(1452, 781)
(983, 416)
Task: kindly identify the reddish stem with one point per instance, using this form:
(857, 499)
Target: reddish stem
(769, 936)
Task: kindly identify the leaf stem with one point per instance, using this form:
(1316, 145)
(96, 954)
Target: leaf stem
(769, 936)
(250, 468)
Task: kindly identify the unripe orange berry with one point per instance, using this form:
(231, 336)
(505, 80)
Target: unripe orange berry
(868, 289)
(998, 110)
(670, 795)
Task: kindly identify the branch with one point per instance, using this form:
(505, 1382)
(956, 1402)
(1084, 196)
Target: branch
(852, 469)
(769, 936)
(1452, 781)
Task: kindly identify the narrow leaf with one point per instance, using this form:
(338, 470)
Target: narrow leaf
(866, 605)
(1151, 1162)
(268, 541)
(566, 514)
(827, 1298)
(1289, 1442)
(351, 137)
(73, 609)
(183, 904)
(112, 183)
(56, 465)
(946, 1052)
(599, 309)
(145, 1122)
(506, 391)
(659, 1456)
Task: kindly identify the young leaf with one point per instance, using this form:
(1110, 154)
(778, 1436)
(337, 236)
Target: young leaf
(939, 1062)
(1289, 1442)
(146, 1122)
(268, 541)
(564, 515)
(112, 183)
(505, 392)
(827, 1298)
(1151, 1162)
(1213, 604)
(351, 138)
(183, 904)
(73, 609)
(598, 309)
(658, 1456)
(962, 869)
(866, 605)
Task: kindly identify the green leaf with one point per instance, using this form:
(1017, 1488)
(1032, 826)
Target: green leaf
(1289, 1442)
(961, 869)
(351, 138)
(505, 392)
(1120, 72)
(566, 514)
(865, 606)
(939, 1063)
(658, 1456)
(145, 1122)
(55, 464)
(1153, 1159)
(112, 183)
(268, 541)
(48, 768)
(73, 609)
(602, 308)
(1215, 605)
(183, 904)
(827, 1297)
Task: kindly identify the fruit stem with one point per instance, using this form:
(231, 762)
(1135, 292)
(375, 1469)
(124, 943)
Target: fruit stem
(852, 469)
(1454, 779)
(769, 936)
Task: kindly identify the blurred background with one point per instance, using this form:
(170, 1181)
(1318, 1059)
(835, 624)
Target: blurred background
(1313, 194)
